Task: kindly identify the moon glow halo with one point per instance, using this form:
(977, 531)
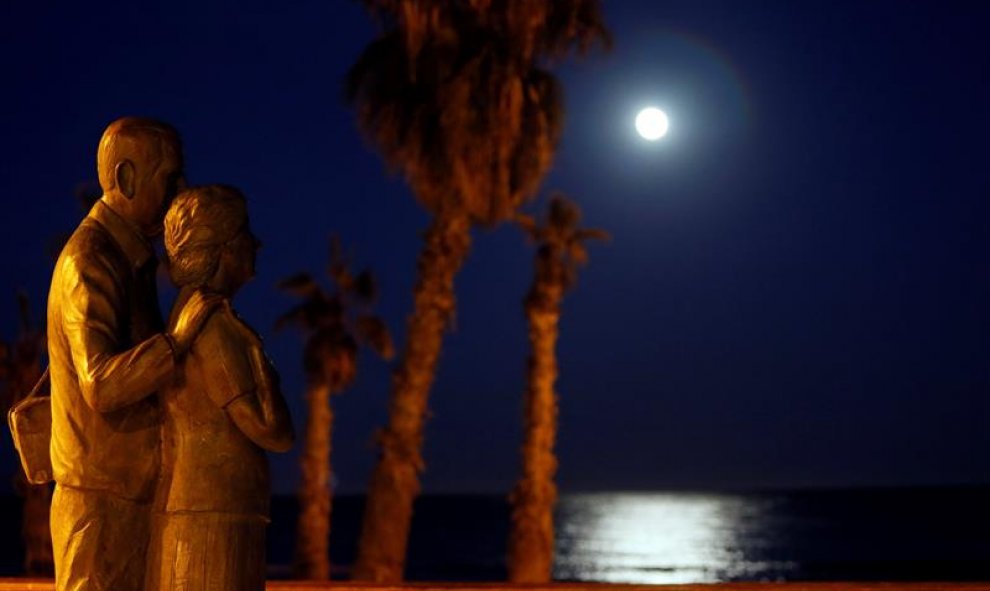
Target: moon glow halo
(652, 124)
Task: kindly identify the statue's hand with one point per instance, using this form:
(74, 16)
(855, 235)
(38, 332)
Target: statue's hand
(191, 319)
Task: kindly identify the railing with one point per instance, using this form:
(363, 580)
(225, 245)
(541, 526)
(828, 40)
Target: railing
(47, 585)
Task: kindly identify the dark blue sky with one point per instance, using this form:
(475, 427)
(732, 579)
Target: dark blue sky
(797, 288)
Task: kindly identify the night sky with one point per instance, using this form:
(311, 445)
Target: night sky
(797, 292)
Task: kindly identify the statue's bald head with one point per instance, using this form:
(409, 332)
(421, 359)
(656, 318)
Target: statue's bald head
(139, 162)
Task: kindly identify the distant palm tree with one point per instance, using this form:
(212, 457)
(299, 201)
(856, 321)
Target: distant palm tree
(453, 94)
(20, 370)
(560, 251)
(335, 323)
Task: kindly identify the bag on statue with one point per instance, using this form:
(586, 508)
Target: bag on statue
(30, 422)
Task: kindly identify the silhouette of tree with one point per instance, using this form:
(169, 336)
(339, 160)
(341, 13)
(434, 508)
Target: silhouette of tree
(20, 370)
(560, 251)
(335, 322)
(455, 96)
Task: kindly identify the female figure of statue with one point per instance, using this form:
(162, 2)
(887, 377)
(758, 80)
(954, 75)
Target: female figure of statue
(221, 413)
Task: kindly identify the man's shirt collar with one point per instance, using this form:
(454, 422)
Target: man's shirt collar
(135, 247)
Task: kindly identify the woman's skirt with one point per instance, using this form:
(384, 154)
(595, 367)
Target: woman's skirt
(206, 552)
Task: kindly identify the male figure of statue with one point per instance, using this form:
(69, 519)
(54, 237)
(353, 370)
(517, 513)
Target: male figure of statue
(109, 354)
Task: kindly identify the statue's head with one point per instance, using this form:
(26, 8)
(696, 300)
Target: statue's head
(140, 166)
(208, 240)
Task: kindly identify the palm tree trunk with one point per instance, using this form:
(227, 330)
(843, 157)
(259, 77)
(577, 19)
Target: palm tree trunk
(312, 559)
(530, 554)
(395, 481)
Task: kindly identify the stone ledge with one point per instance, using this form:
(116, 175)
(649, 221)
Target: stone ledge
(11, 584)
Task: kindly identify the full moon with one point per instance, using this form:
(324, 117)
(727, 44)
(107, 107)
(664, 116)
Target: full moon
(652, 123)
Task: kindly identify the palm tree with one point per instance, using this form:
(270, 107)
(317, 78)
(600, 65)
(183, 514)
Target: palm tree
(20, 370)
(560, 251)
(453, 94)
(334, 328)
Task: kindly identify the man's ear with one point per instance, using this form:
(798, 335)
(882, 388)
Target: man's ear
(123, 174)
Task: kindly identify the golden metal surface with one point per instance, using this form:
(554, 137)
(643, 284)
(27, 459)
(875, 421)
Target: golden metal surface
(221, 412)
(109, 356)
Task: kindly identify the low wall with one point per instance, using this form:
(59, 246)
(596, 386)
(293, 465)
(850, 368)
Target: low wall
(46, 585)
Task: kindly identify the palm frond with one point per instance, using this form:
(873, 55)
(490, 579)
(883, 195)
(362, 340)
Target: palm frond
(365, 288)
(302, 285)
(574, 24)
(298, 315)
(561, 243)
(576, 254)
(339, 268)
(528, 225)
(453, 96)
(330, 355)
(330, 322)
(373, 331)
(585, 234)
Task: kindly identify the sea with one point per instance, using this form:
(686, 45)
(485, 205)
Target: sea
(896, 534)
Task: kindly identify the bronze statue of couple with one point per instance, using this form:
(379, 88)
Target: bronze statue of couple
(159, 431)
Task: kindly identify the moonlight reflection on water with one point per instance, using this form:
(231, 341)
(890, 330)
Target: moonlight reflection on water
(659, 538)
